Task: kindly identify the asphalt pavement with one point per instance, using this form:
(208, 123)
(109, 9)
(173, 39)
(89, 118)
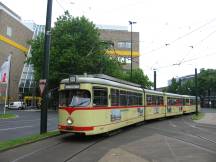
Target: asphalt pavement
(26, 123)
(166, 140)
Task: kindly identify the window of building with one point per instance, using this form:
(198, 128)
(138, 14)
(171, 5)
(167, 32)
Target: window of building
(9, 31)
(124, 45)
(100, 96)
(125, 60)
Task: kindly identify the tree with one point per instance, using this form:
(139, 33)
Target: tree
(206, 80)
(174, 87)
(140, 78)
(75, 48)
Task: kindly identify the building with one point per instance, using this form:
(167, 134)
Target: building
(27, 83)
(14, 36)
(120, 41)
(120, 38)
(183, 79)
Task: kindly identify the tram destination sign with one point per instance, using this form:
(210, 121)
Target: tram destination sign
(72, 86)
(72, 79)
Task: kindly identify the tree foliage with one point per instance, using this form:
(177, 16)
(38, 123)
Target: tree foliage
(206, 81)
(138, 77)
(76, 48)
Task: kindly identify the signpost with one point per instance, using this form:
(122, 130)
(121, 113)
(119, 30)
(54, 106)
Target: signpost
(196, 91)
(45, 69)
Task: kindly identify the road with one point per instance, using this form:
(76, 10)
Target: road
(26, 123)
(167, 140)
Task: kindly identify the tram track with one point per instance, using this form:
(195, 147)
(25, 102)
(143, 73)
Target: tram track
(189, 137)
(84, 149)
(35, 151)
(175, 124)
(170, 134)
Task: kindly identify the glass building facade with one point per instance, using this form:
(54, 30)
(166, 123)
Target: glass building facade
(27, 84)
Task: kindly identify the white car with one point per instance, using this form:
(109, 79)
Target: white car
(17, 105)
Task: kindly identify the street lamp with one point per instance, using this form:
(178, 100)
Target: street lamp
(131, 24)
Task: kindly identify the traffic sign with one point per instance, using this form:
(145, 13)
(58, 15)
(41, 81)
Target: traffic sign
(42, 85)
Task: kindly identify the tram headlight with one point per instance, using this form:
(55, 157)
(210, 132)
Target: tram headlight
(69, 121)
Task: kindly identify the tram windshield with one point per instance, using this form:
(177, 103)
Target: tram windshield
(74, 98)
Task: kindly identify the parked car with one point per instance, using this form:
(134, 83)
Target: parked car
(17, 105)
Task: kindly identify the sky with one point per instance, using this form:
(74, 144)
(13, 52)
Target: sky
(176, 36)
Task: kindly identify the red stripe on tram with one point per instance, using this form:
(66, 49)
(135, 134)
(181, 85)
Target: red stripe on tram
(74, 128)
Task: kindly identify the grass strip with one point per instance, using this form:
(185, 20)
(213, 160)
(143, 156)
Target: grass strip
(25, 140)
(198, 117)
(7, 116)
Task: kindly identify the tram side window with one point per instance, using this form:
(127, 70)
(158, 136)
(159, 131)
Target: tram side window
(100, 96)
(114, 97)
(149, 100)
(175, 101)
(171, 101)
(134, 99)
(193, 101)
(179, 102)
(160, 100)
(63, 99)
(140, 99)
(186, 102)
(154, 100)
(123, 98)
(130, 98)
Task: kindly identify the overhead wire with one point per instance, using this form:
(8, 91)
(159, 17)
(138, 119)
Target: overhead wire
(184, 59)
(60, 5)
(188, 60)
(199, 42)
(173, 41)
(182, 36)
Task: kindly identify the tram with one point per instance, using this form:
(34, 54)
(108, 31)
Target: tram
(95, 104)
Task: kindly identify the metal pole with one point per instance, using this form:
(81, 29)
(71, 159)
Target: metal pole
(155, 80)
(45, 70)
(131, 23)
(196, 91)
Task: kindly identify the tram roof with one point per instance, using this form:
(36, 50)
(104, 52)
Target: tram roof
(111, 81)
(153, 92)
(179, 95)
(103, 80)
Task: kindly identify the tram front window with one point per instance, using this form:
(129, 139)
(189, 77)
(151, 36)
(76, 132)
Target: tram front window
(74, 98)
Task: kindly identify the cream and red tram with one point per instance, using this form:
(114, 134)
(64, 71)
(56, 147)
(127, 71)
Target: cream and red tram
(94, 104)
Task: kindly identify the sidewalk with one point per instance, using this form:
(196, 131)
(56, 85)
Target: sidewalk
(209, 118)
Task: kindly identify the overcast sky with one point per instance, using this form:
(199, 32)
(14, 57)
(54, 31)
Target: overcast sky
(175, 35)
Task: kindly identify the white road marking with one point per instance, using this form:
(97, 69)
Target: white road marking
(170, 148)
(6, 129)
(171, 123)
(30, 120)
